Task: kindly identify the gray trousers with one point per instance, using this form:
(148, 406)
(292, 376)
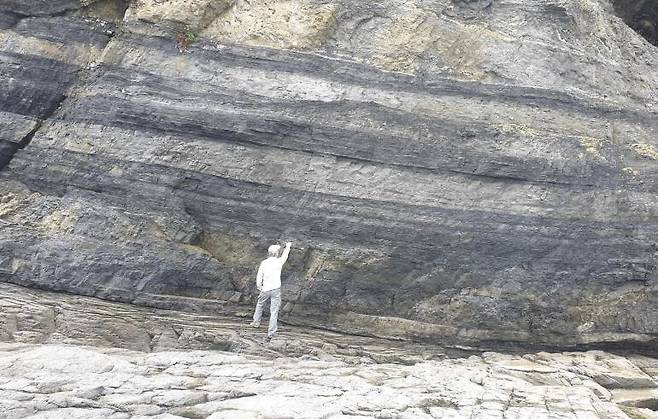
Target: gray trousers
(275, 303)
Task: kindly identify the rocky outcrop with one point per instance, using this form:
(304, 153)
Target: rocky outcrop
(87, 382)
(231, 371)
(640, 15)
(446, 172)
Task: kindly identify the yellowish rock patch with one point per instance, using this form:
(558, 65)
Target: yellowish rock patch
(591, 145)
(61, 220)
(417, 33)
(194, 13)
(294, 24)
(645, 150)
(75, 53)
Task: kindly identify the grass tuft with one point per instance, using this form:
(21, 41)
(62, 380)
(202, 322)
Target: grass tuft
(185, 39)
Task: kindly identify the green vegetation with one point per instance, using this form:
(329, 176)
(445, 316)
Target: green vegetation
(185, 39)
(632, 413)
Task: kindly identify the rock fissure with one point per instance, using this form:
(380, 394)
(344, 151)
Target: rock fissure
(9, 149)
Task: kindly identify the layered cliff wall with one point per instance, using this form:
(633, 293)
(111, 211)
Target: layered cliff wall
(468, 172)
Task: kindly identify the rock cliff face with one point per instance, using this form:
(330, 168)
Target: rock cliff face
(468, 172)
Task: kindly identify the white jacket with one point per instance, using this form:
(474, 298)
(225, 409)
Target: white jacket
(269, 272)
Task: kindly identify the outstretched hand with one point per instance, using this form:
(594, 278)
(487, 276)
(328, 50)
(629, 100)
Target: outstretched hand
(288, 244)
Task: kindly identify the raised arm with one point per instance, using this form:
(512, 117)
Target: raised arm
(286, 252)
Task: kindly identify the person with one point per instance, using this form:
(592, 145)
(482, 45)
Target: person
(268, 282)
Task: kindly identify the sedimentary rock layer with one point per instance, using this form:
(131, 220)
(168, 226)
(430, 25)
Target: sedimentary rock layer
(87, 382)
(229, 370)
(424, 202)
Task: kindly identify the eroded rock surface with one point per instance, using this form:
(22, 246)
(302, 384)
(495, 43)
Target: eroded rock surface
(471, 172)
(165, 364)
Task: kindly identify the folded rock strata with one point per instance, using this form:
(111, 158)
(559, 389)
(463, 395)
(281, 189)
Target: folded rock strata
(445, 171)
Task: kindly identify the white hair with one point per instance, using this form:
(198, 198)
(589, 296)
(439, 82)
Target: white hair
(274, 250)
